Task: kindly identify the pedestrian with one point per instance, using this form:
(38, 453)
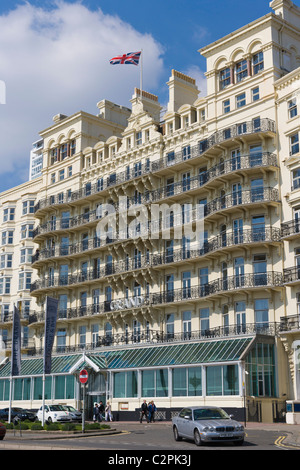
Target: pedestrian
(144, 411)
(101, 410)
(108, 415)
(153, 410)
(95, 412)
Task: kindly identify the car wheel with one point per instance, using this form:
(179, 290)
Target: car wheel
(197, 438)
(49, 420)
(176, 434)
(1, 438)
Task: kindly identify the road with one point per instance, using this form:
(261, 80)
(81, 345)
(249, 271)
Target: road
(153, 439)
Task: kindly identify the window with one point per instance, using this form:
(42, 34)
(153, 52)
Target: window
(186, 181)
(61, 175)
(155, 383)
(257, 62)
(63, 151)
(28, 207)
(187, 381)
(294, 144)
(69, 171)
(187, 324)
(125, 384)
(61, 338)
(292, 108)
(53, 156)
(52, 178)
(26, 255)
(296, 179)
(186, 152)
(241, 100)
(138, 138)
(5, 285)
(222, 380)
(204, 320)
(9, 214)
(7, 237)
(82, 336)
(261, 307)
(241, 69)
(73, 147)
(24, 281)
(226, 106)
(256, 124)
(27, 231)
(224, 78)
(6, 260)
(255, 94)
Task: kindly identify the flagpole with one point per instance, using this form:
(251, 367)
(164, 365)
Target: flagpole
(141, 73)
(44, 376)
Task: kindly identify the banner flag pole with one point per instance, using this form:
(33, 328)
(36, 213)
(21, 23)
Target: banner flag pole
(15, 352)
(50, 327)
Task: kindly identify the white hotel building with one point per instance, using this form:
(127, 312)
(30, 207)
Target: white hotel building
(212, 319)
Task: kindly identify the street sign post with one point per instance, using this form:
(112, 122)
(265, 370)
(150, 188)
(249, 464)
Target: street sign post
(83, 378)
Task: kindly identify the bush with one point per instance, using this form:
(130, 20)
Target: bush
(36, 427)
(53, 427)
(68, 427)
(91, 426)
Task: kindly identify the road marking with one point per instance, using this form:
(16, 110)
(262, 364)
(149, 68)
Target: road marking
(279, 443)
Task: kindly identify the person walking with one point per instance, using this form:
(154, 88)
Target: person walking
(144, 411)
(108, 415)
(95, 412)
(101, 410)
(153, 410)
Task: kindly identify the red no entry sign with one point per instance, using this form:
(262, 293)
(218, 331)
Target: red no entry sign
(83, 376)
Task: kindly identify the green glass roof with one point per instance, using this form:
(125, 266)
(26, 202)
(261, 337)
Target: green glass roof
(141, 357)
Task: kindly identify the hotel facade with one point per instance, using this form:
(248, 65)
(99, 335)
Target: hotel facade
(171, 241)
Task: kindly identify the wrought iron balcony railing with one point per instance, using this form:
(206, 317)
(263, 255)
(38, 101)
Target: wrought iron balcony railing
(158, 337)
(228, 284)
(292, 227)
(291, 274)
(222, 241)
(141, 169)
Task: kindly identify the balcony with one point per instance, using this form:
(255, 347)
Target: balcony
(152, 337)
(226, 240)
(290, 230)
(242, 163)
(178, 158)
(232, 284)
(291, 275)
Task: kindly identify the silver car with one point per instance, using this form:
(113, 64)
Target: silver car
(75, 415)
(207, 424)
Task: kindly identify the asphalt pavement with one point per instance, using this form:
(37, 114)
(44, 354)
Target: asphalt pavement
(289, 433)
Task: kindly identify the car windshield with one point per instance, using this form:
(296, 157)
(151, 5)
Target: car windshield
(210, 413)
(55, 408)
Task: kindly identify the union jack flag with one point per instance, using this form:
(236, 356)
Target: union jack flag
(129, 58)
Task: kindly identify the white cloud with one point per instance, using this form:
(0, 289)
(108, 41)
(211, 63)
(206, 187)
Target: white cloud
(57, 61)
(195, 72)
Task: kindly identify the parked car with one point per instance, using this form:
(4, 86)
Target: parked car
(2, 431)
(207, 424)
(75, 414)
(53, 414)
(17, 414)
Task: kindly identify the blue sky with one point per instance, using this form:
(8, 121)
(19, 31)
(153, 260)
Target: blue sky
(54, 58)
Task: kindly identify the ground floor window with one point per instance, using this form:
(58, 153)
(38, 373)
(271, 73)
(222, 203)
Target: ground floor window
(31, 388)
(187, 381)
(125, 384)
(155, 383)
(222, 380)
